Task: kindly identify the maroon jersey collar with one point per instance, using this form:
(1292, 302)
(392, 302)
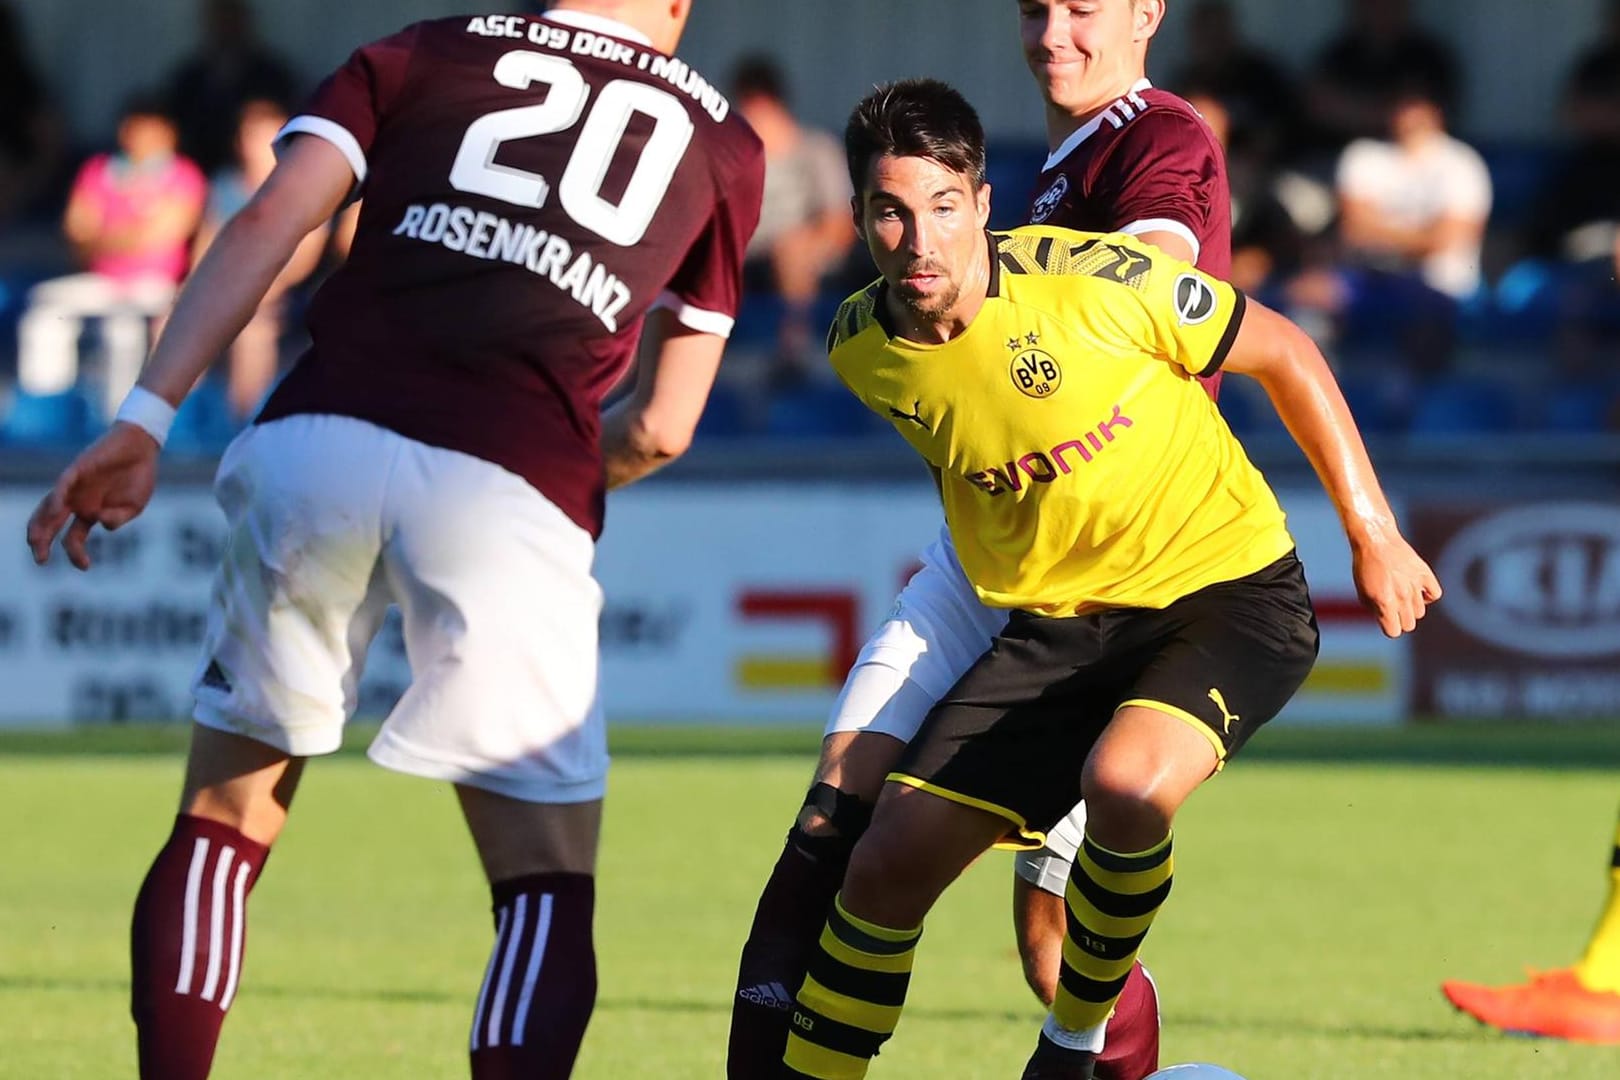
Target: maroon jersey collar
(1092, 126)
(599, 24)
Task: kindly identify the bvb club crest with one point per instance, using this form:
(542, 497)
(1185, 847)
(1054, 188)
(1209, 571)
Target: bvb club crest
(1049, 201)
(1033, 371)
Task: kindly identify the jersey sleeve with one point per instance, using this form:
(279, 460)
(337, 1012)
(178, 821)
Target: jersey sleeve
(347, 108)
(1161, 176)
(706, 290)
(1194, 317)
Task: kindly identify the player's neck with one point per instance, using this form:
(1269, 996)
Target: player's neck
(662, 33)
(1064, 120)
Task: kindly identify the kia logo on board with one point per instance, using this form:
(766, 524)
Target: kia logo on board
(1541, 579)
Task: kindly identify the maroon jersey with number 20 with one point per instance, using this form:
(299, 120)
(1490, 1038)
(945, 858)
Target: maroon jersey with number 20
(1147, 163)
(532, 188)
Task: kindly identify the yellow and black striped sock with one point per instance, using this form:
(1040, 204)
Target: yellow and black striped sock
(1112, 899)
(851, 997)
(1599, 969)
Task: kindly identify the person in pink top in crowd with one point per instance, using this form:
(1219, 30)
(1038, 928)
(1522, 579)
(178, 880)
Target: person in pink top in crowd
(130, 218)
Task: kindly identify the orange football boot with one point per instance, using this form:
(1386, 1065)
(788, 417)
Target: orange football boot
(1552, 1004)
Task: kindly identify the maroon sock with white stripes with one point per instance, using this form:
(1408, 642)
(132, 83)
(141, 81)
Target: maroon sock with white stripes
(541, 982)
(186, 945)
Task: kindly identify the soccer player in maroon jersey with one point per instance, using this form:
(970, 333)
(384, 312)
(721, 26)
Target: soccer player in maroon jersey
(1125, 157)
(539, 194)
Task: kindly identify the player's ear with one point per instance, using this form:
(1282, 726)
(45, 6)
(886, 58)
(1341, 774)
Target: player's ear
(981, 205)
(1147, 16)
(856, 215)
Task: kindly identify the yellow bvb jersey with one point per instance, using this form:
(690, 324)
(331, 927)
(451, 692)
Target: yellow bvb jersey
(1083, 465)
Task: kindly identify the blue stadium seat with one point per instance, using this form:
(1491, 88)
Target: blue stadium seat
(726, 414)
(203, 426)
(1526, 304)
(1011, 168)
(757, 319)
(46, 421)
(818, 412)
(1461, 405)
(1520, 170)
(1376, 401)
(1579, 408)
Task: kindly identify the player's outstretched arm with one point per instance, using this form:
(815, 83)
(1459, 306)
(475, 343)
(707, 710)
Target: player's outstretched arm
(111, 481)
(1392, 579)
(654, 425)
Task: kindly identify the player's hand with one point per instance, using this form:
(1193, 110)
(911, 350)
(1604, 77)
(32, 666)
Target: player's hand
(107, 485)
(1394, 582)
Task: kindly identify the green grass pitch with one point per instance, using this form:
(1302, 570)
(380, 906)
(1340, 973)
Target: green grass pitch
(1324, 887)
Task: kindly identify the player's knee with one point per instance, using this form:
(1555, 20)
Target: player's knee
(830, 823)
(877, 866)
(1126, 789)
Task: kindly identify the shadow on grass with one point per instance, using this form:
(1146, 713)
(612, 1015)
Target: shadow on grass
(1279, 1026)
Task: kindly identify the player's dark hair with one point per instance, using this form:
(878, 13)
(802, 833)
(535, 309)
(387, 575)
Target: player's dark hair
(758, 75)
(146, 103)
(915, 118)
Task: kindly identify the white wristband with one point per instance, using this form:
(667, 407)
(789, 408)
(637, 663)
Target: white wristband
(147, 411)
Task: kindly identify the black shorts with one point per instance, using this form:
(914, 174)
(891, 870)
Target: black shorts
(1013, 734)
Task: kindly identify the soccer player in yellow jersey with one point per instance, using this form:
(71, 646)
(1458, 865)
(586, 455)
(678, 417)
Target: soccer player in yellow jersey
(1124, 157)
(1158, 615)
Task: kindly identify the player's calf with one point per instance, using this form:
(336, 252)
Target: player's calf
(1131, 1037)
(791, 913)
(189, 930)
(540, 985)
(186, 944)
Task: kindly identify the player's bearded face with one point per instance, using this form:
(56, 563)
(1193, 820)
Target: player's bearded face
(1084, 53)
(924, 225)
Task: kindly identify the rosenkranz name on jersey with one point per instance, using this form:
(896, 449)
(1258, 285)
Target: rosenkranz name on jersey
(482, 235)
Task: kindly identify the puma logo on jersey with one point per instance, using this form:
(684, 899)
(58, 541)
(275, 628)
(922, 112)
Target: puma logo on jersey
(915, 416)
(1228, 717)
(1111, 262)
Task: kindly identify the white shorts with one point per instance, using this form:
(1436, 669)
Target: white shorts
(331, 519)
(938, 628)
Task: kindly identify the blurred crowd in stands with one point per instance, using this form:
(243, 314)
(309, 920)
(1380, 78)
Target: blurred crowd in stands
(1459, 289)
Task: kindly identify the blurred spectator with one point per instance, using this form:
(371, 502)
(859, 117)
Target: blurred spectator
(30, 129)
(229, 68)
(255, 355)
(805, 226)
(1359, 75)
(129, 217)
(1266, 241)
(1413, 210)
(1417, 203)
(1579, 213)
(1252, 86)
